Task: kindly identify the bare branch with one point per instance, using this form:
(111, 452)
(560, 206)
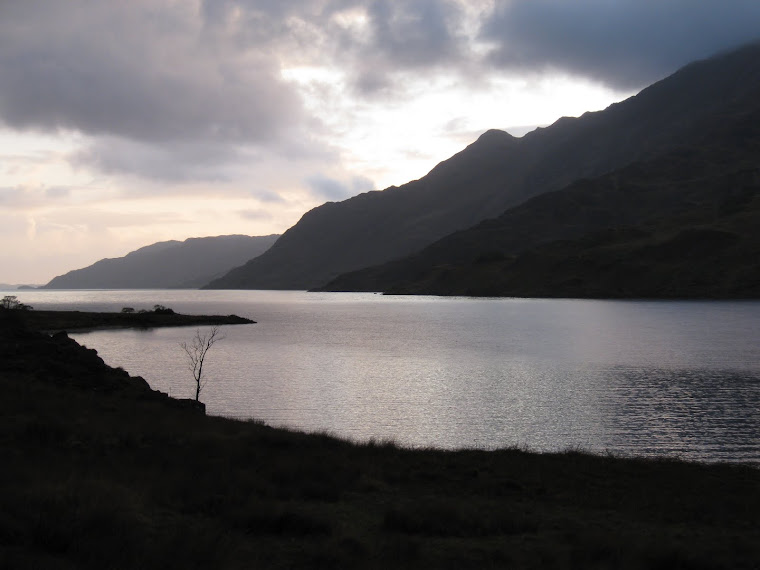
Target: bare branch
(196, 353)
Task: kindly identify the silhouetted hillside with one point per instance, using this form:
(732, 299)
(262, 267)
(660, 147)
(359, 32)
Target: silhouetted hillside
(498, 172)
(682, 225)
(168, 264)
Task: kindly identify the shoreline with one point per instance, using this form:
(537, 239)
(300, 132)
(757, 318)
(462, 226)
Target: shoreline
(101, 466)
(84, 321)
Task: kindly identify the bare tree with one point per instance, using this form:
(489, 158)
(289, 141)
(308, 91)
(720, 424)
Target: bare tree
(196, 353)
(12, 302)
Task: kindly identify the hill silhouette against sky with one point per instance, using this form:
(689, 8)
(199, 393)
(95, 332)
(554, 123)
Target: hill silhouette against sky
(167, 264)
(683, 224)
(499, 171)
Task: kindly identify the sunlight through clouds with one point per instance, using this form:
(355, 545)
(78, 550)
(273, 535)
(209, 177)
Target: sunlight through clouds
(157, 106)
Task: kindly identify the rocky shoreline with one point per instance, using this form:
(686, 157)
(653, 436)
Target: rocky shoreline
(28, 350)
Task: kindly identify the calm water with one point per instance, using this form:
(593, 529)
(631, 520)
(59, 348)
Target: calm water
(632, 377)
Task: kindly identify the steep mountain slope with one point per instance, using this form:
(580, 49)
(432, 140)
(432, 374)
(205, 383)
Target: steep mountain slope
(168, 264)
(686, 224)
(498, 172)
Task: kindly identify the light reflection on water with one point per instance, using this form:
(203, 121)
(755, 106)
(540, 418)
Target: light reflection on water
(629, 377)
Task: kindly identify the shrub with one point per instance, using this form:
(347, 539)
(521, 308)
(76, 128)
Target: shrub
(11, 302)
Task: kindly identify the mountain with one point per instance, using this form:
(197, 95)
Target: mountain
(168, 264)
(12, 287)
(682, 226)
(498, 172)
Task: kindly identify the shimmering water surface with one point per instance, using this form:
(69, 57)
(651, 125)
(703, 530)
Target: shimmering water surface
(628, 377)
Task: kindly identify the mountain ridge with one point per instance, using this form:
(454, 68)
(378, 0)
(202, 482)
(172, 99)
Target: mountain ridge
(608, 236)
(169, 264)
(495, 173)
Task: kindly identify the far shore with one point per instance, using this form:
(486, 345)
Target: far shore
(81, 321)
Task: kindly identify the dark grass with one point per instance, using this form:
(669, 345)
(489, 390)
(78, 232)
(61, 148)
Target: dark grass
(120, 478)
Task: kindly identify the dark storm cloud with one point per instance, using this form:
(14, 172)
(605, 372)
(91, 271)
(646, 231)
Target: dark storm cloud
(412, 34)
(399, 36)
(138, 70)
(174, 90)
(623, 43)
(175, 161)
(415, 34)
(165, 89)
(420, 36)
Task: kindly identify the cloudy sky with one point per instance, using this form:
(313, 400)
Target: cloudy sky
(127, 123)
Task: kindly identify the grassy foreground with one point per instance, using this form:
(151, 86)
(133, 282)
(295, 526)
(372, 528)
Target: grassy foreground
(99, 471)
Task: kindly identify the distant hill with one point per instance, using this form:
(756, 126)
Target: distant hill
(13, 287)
(168, 264)
(498, 172)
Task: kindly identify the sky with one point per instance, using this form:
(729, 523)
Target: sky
(127, 123)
